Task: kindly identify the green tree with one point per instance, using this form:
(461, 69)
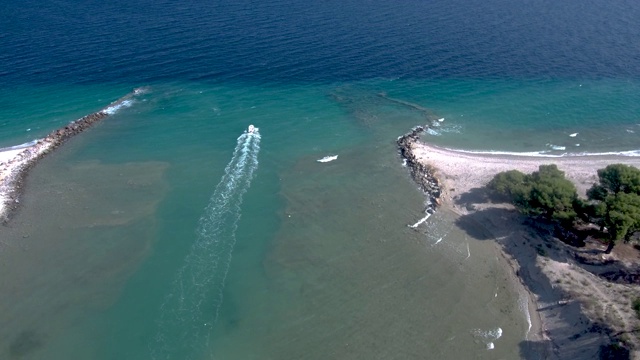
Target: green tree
(512, 184)
(552, 195)
(615, 202)
(614, 179)
(545, 192)
(507, 181)
(622, 217)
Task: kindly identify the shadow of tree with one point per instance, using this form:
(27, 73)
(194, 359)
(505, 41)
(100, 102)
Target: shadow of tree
(475, 195)
(535, 350)
(475, 225)
(613, 352)
(538, 350)
(525, 240)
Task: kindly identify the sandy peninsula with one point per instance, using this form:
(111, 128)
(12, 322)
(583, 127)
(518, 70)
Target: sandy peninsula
(468, 170)
(579, 297)
(16, 161)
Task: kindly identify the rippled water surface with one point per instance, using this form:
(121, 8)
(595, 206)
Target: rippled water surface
(165, 232)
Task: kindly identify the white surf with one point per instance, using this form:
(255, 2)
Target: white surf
(328, 158)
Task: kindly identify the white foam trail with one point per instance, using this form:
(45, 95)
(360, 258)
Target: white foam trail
(631, 153)
(420, 221)
(557, 147)
(114, 108)
(436, 243)
(141, 90)
(430, 131)
(468, 251)
(191, 309)
(21, 146)
(509, 153)
(327, 158)
(451, 128)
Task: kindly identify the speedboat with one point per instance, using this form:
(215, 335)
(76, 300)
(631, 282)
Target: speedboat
(251, 129)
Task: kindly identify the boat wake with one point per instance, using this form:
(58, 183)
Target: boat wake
(190, 310)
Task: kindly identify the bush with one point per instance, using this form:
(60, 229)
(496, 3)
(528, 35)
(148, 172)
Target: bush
(545, 192)
(635, 305)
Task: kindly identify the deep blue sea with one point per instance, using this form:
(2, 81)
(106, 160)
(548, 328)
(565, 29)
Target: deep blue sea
(167, 232)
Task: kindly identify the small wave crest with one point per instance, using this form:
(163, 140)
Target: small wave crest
(110, 110)
(557, 147)
(421, 221)
(523, 304)
(328, 158)
(437, 128)
(487, 336)
(508, 153)
(20, 146)
(546, 153)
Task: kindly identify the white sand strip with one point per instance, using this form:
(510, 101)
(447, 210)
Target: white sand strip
(12, 163)
(15, 161)
(464, 171)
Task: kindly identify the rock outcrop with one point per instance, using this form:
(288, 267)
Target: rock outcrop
(14, 171)
(424, 175)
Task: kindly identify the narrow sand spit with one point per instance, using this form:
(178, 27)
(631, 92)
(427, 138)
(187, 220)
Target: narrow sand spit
(16, 161)
(12, 162)
(576, 311)
(467, 170)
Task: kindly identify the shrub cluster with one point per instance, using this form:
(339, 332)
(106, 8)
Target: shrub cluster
(613, 202)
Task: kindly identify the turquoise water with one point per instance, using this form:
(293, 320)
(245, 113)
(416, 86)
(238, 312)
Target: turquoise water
(147, 238)
(319, 253)
(311, 260)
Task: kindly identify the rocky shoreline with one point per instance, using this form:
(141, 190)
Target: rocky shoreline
(14, 170)
(423, 174)
(579, 297)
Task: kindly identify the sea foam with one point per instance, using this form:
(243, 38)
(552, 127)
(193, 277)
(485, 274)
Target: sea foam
(328, 158)
(488, 336)
(115, 108)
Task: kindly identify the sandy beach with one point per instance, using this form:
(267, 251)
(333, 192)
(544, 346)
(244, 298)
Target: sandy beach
(16, 161)
(13, 164)
(464, 171)
(576, 312)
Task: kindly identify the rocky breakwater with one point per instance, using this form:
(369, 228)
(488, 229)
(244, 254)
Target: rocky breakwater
(14, 168)
(422, 174)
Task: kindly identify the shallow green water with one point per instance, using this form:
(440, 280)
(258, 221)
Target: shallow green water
(323, 264)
